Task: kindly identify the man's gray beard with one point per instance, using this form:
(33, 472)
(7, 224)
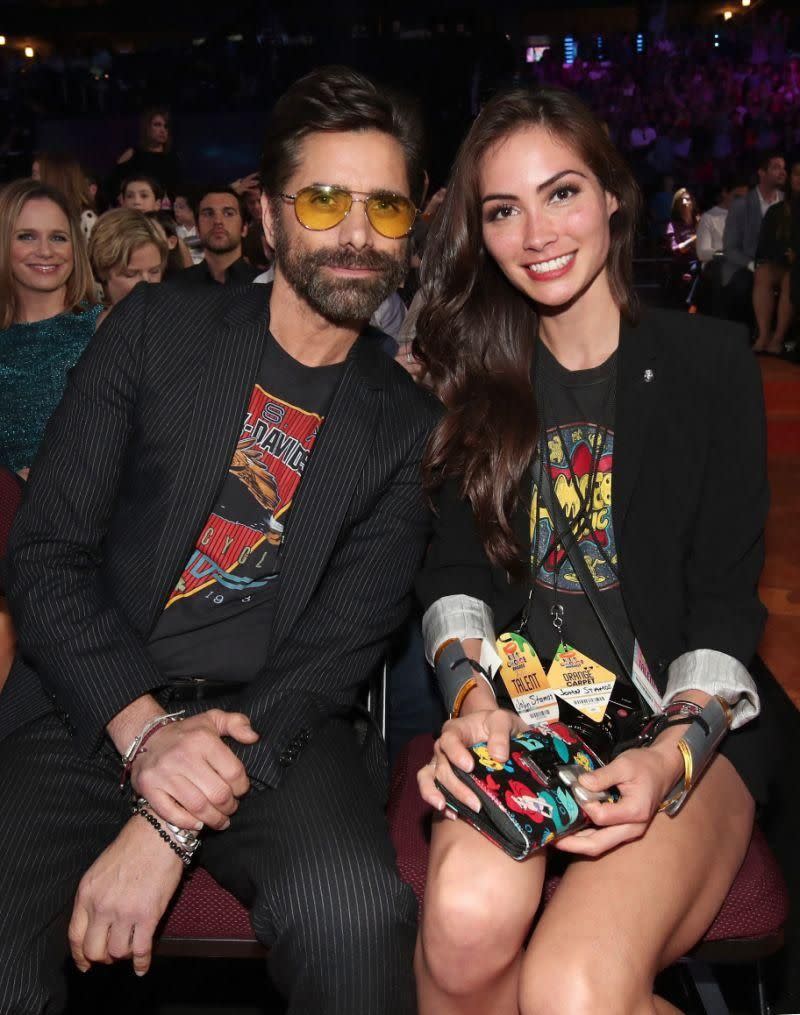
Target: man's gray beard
(340, 300)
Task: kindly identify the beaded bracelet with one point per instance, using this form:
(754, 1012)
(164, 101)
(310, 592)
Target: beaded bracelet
(185, 856)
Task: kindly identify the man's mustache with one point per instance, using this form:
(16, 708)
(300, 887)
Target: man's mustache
(369, 259)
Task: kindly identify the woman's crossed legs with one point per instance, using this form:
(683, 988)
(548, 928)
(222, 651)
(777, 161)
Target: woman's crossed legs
(613, 924)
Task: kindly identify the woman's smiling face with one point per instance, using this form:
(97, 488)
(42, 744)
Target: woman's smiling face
(545, 216)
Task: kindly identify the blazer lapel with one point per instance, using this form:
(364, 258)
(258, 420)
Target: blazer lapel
(332, 472)
(637, 390)
(232, 352)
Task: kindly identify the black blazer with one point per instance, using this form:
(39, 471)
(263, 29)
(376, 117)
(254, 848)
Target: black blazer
(689, 503)
(128, 471)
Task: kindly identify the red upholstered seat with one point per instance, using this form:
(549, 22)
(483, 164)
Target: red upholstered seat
(204, 909)
(756, 906)
(10, 498)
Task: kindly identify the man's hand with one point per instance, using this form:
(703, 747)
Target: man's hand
(188, 775)
(122, 897)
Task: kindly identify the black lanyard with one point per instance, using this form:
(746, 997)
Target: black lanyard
(581, 523)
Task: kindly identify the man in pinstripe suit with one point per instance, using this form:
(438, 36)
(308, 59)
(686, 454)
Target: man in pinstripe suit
(225, 518)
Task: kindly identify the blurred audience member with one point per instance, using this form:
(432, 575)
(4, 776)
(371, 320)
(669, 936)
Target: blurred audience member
(63, 172)
(142, 193)
(48, 311)
(126, 248)
(681, 232)
(740, 237)
(221, 226)
(187, 226)
(712, 222)
(179, 256)
(771, 280)
(152, 157)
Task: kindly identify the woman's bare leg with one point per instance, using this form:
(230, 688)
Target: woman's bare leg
(785, 316)
(479, 906)
(617, 920)
(766, 277)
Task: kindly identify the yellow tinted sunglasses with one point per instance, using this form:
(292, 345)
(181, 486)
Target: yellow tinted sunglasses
(321, 207)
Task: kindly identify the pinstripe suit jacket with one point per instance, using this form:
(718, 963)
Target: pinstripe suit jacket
(128, 471)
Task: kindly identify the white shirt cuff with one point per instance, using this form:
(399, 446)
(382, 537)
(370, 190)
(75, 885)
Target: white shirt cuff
(713, 672)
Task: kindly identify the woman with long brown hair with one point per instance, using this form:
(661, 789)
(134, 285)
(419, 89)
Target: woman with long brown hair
(584, 475)
(66, 174)
(48, 311)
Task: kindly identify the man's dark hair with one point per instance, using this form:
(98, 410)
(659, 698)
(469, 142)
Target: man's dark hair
(765, 158)
(201, 193)
(332, 99)
(152, 183)
(733, 180)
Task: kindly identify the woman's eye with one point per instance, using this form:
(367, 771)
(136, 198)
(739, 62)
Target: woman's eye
(564, 193)
(502, 211)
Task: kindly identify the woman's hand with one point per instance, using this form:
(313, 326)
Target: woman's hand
(496, 726)
(644, 776)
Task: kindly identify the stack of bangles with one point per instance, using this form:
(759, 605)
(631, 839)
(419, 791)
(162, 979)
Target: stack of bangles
(706, 725)
(183, 841)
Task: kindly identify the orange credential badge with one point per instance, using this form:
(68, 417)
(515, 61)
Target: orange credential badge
(525, 680)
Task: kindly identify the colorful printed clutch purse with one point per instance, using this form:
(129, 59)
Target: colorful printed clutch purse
(530, 800)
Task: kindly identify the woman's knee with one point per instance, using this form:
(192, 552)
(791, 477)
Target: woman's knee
(557, 983)
(473, 925)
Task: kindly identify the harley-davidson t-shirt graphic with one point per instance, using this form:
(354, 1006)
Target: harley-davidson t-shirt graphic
(215, 622)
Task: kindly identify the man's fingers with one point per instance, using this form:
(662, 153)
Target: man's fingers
(142, 948)
(95, 941)
(76, 933)
(233, 724)
(119, 940)
(188, 790)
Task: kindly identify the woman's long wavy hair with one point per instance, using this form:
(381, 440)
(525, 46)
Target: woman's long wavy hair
(475, 333)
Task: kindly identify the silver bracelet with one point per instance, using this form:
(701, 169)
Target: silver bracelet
(138, 742)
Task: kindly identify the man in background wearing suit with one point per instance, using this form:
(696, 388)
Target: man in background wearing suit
(224, 521)
(740, 236)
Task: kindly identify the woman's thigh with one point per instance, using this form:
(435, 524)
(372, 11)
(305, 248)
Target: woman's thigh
(635, 910)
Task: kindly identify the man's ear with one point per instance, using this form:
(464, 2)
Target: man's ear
(267, 220)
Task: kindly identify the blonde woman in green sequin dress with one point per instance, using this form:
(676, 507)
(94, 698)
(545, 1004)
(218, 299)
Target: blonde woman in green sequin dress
(48, 312)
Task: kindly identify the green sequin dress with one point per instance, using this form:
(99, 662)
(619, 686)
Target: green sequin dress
(34, 360)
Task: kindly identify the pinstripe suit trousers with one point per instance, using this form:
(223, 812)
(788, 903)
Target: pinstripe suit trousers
(311, 859)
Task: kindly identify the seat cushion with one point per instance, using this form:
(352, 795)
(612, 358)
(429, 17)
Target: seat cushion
(756, 905)
(205, 910)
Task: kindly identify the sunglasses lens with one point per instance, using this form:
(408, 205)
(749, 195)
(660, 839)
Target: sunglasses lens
(321, 207)
(391, 215)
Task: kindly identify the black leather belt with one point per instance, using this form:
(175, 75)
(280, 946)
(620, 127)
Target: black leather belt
(198, 688)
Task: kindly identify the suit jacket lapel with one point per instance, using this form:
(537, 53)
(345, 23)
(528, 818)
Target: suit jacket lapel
(232, 353)
(637, 390)
(330, 476)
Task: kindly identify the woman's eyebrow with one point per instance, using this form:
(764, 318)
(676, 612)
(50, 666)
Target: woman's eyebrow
(542, 186)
